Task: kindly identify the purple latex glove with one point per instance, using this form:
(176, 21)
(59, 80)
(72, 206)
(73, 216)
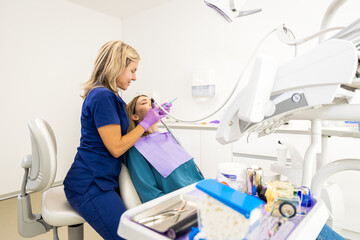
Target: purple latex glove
(167, 108)
(151, 117)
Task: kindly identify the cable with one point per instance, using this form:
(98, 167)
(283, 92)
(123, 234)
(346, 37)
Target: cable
(350, 35)
(295, 46)
(232, 92)
(329, 14)
(282, 35)
(352, 27)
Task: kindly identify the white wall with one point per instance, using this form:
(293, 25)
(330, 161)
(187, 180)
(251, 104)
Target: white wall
(47, 49)
(185, 36)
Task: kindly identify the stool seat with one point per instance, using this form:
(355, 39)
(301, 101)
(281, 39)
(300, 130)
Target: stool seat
(56, 210)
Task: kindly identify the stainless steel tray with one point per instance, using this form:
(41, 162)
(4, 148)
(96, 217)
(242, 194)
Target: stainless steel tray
(161, 217)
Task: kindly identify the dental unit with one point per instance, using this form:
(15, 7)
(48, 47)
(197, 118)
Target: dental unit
(322, 84)
(314, 86)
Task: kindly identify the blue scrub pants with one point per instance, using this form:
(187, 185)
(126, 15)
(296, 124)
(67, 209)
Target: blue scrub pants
(101, 209)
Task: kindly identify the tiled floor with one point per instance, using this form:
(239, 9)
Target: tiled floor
(8, 222)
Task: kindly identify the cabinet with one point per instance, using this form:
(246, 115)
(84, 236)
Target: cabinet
(213, 153)
(262, 151)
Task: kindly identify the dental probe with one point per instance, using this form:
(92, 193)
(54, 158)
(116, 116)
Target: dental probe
(169, 102)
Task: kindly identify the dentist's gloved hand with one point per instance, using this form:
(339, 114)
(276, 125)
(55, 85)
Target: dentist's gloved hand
(151, 117)
(167, 108)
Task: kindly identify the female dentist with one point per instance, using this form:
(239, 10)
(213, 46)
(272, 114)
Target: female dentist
(91, 184)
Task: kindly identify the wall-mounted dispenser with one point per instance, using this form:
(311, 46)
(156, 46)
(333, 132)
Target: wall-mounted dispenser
(203, 84)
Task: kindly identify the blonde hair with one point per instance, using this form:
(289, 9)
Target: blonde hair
(113, 58)
(130, 110)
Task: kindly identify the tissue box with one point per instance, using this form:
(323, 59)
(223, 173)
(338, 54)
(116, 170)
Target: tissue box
(227, 214)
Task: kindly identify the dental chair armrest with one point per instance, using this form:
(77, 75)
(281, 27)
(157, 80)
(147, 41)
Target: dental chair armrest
(330, 169)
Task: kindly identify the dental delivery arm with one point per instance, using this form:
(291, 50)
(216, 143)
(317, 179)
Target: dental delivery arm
(274, 93)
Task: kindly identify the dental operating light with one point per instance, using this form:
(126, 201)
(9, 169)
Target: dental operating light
(229, 9)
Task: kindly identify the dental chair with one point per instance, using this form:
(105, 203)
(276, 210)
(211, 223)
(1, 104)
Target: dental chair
(318, 182)
(128, 192)
(40, 172)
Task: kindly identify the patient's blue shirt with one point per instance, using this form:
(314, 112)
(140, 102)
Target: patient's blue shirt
(150, 184)
(93, 162)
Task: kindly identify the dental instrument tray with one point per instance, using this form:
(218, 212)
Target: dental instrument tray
(163, 217)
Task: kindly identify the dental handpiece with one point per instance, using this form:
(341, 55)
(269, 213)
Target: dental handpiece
(152, 103)
(167, 128)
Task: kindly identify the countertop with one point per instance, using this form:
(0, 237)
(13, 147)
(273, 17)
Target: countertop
(292, 128)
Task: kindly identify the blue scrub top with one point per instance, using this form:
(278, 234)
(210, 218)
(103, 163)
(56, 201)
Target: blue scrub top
(93, 162)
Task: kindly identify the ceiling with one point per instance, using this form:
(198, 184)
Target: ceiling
(119, 8)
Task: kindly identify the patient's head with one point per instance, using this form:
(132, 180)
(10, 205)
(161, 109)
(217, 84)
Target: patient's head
(136, 110)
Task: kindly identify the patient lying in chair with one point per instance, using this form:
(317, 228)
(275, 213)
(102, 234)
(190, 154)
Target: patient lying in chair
(157, 163)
